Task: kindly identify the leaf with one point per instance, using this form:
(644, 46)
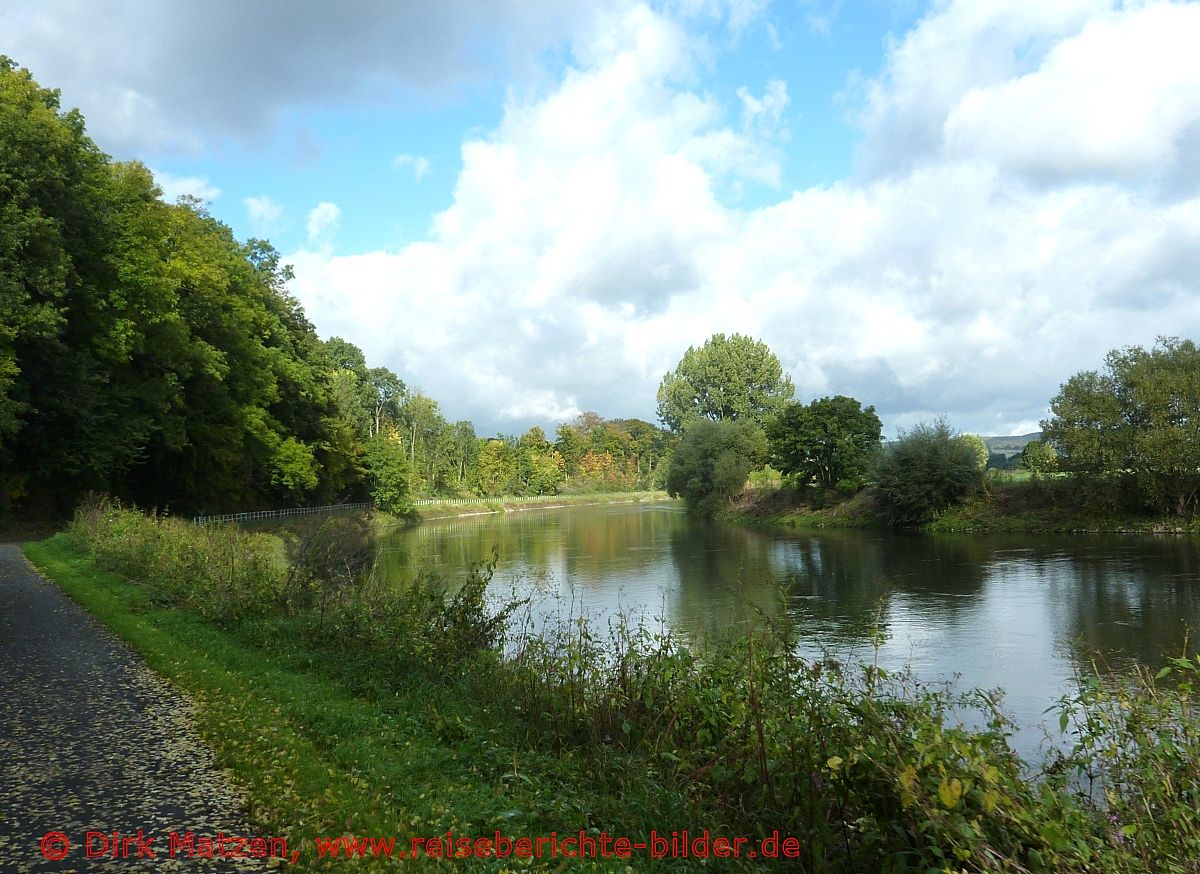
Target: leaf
(834, 762)
(949, 792)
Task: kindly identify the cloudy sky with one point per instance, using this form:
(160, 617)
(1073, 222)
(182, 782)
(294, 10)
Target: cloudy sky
(529, 208)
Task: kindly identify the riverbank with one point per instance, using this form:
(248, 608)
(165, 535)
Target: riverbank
(1002, 507)
(352, 708)
(435, 509)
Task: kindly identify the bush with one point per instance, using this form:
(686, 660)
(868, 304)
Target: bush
(220, 572)
(712, 461)
(927, 470)
(325, 588)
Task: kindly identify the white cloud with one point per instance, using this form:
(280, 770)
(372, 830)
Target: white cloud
(323, 220)
(588, 245)
(1114, 98)
(419, 165)
(263, 212)
(152, 76)
(174, 187)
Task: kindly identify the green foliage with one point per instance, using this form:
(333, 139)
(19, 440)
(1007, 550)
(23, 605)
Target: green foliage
(925, 471)
(388, 474)
(540, 467)
(218, 572)
(225, 574)
(711, 463)
(1039, 457)
(734, 377)
(1136, 424)
(295, 468)
(830, 441)
(612, 455)
(143, 349)
(979, 447)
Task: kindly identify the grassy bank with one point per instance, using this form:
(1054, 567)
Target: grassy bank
(435, 509)
(1003, 505)
(347, 707)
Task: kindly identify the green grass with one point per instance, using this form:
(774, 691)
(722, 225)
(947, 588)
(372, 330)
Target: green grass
(449, 508)
(319, 757)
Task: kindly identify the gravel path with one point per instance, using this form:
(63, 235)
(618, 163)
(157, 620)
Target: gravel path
(92, 740)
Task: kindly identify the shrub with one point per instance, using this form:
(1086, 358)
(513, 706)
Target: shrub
(927, 470)
(712, 461)
(220, 572)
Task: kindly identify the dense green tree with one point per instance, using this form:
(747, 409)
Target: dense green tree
(1039, 457)
(540, 468)
(295, 468)
(712, 461)
(495, 468)
(735, 377)
(830, 441)
(925, 471)
(346, 356)
(979, 447)
(571, 444)
(388, 473)
(143, 350)
(1138, 422)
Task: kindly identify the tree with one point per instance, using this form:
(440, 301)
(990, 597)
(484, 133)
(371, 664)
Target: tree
(712, 461)
(979, 447)
(386, 392)
(829, 441)
(1137, 424)
(495, 468)
(388, 474)
(540, 468)
(295, 468)
(727, 378)
(927, 470)
(465, 449)
(1039, 457)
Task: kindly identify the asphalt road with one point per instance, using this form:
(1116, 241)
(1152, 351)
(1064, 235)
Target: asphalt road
(92, 740)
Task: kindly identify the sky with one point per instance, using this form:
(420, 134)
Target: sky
(532, 208)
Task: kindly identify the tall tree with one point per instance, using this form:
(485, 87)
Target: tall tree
(1137, 423)
(735, 377)
(830, 441)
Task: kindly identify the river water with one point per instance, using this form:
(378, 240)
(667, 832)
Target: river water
(1019, 612)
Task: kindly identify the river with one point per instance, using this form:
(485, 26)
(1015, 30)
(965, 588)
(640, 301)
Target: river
(1019, 612)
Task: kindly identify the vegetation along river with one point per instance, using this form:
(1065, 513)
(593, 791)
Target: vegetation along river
(1020, 612)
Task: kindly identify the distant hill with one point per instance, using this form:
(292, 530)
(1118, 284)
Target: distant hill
(1012, 444)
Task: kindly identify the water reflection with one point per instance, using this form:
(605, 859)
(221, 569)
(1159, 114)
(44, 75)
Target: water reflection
(1018, 612)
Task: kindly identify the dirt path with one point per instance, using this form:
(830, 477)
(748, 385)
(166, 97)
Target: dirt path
(92, 740)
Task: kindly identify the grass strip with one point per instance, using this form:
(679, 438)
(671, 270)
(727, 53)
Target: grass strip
(316, 759)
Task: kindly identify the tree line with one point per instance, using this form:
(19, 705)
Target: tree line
(1128, 438)
(147, 353)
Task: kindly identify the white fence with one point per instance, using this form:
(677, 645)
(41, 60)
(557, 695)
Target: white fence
(275, 514)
